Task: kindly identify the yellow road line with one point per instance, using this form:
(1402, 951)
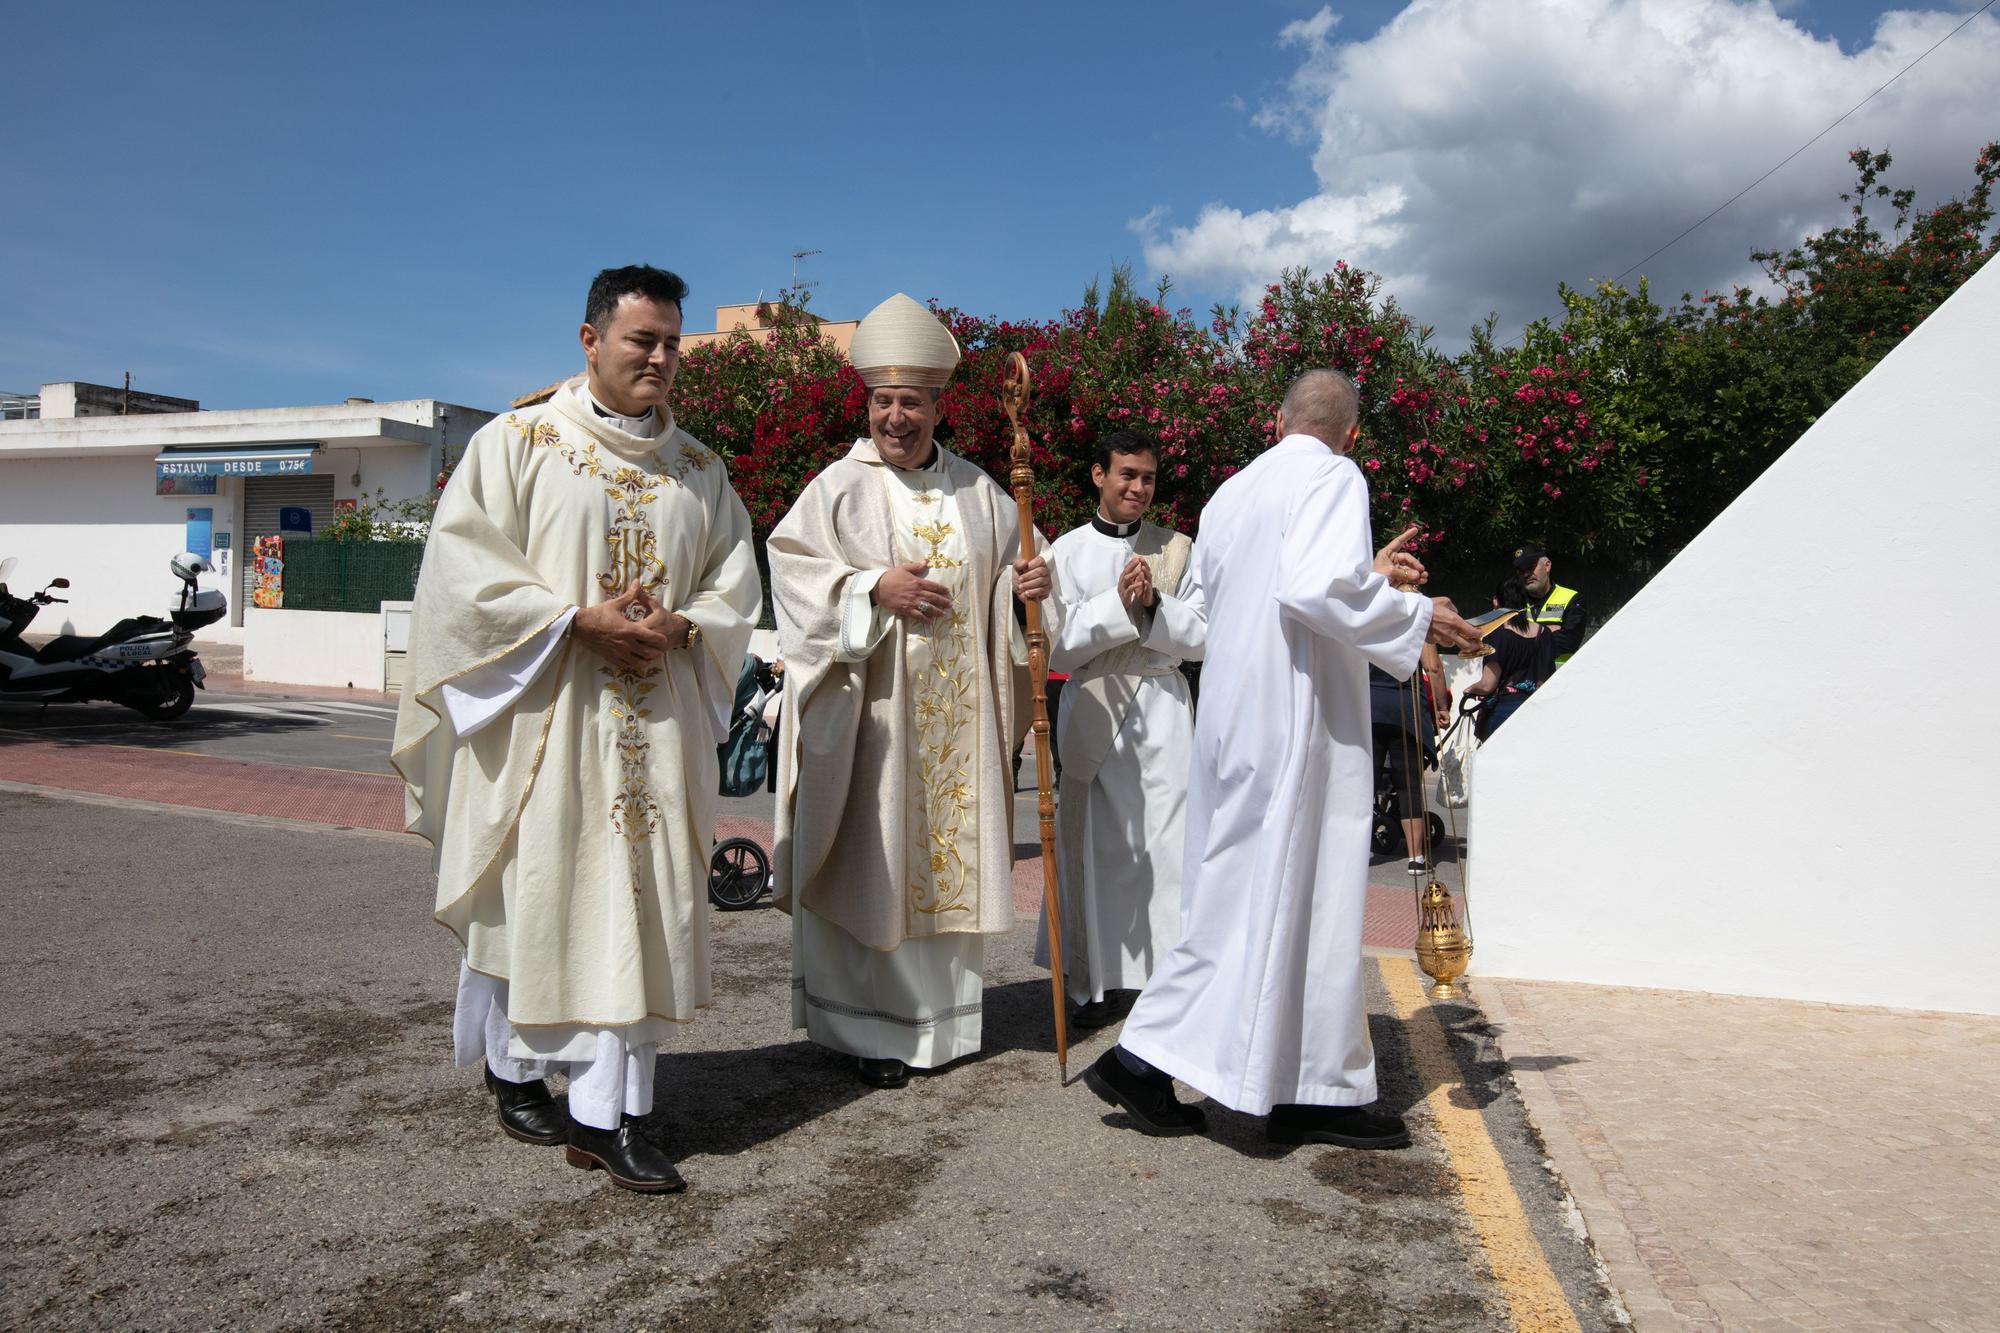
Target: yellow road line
(1535, 1300)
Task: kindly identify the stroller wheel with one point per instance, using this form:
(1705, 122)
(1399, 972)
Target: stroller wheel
(1436, 830)
(738, 874)
(1386, 836)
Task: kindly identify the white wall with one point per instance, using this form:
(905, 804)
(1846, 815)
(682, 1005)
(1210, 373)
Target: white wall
(97, 523)
(400, 472)
(1768, 774)
(340, 648)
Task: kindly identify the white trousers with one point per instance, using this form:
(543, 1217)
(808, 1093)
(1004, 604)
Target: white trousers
(616, 1080)
(921, 1002)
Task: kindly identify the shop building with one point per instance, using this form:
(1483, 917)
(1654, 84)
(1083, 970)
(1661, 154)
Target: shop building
(103, 486)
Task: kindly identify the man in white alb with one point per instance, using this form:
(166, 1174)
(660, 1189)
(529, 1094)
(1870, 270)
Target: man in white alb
(1129, 611)
(1261, 1004)
(894, 579)
(588, 592)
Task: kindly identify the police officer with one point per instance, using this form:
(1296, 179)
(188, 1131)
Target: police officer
(1559, 610)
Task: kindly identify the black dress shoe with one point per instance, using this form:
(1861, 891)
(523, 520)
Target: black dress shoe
(633, 1161)
(1097, 1014)
(1346, 1126)
(527, 1111)
(1149, 1101)
(1113, 1008)
(884, 1073)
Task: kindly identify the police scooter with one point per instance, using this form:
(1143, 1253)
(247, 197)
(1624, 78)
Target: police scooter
(142, 662)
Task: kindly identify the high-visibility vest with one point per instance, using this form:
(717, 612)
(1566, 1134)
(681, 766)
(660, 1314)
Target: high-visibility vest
(1551, 611)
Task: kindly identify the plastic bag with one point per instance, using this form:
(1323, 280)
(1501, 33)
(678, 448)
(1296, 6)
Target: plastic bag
(1454, 763)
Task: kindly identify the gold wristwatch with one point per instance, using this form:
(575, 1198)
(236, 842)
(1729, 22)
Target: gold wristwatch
(694, 635)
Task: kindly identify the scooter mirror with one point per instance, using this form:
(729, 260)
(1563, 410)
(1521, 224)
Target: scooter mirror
(58, 583)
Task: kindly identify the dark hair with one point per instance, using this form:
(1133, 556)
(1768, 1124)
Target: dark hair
(1511, 593)
(613, 285)
(1124, 442)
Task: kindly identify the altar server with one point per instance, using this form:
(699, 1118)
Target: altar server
(1129, 612)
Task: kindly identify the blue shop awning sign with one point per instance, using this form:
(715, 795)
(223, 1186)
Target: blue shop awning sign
(251, 460)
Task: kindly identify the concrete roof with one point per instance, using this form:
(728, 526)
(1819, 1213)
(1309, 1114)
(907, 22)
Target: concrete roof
(424, 421)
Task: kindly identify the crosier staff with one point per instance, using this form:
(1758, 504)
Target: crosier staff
(1014, 396)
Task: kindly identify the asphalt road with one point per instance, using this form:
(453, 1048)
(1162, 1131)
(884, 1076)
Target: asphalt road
(322, 733)
(354, 736)
(228, 1101)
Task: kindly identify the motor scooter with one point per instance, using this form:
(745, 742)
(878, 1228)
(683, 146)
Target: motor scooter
(142, 662)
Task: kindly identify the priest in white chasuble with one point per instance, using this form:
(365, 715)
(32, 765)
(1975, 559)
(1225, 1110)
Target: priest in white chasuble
(894, 579)
(1261, 1004)
(1131, 611)
(587, 595)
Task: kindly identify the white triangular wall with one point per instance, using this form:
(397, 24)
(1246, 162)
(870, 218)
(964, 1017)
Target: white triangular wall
(1775, 772)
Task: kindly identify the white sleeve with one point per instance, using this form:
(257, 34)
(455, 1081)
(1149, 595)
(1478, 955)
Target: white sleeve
(1328, 583)
(1086, 624)
(1179, 621)
(479, 696)
(863, 624)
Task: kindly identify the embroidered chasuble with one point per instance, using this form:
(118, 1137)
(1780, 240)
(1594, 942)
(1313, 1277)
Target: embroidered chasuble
(572, 806)
(895, 792)
(1126, 735)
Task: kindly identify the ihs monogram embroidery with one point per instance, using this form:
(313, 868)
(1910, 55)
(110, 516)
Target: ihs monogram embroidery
(634, 555)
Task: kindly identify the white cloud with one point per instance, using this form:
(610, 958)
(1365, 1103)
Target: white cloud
(1477, 153)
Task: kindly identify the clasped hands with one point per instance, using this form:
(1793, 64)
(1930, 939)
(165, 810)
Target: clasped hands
(1135, 584)
(1404, 570)
(904, 591)
(630, 631)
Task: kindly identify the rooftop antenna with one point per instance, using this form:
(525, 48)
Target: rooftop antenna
(798, 286)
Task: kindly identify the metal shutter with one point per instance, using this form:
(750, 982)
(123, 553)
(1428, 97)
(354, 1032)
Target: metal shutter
(262, 498)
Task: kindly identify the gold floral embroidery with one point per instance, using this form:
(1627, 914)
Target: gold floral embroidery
(582, 459)
(946, 709)
(693, 458)
(634, 812)
(933, 536)
(634, 551)
(634, 554)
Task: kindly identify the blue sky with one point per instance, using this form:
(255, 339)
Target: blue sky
(266, 204)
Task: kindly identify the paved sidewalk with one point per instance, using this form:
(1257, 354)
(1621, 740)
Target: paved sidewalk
(1768, 1165)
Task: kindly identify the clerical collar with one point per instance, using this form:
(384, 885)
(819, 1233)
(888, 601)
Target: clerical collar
(1110, 529)
(924, 466)
(639, 425)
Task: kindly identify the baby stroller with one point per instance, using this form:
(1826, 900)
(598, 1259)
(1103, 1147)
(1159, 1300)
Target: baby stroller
(1386, 832)
(739, 870)
(1400, 718)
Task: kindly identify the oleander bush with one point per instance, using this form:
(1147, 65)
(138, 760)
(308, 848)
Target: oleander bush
(1611, 434)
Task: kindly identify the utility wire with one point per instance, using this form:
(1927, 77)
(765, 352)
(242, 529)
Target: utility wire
(1808, 143)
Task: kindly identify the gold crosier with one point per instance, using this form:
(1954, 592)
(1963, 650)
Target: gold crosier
(1014, 396)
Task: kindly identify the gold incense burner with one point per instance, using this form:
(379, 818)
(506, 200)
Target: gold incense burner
(1442, 948)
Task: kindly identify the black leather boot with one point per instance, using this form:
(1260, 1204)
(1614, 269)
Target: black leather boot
(633, 1161)
(527, 1111)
